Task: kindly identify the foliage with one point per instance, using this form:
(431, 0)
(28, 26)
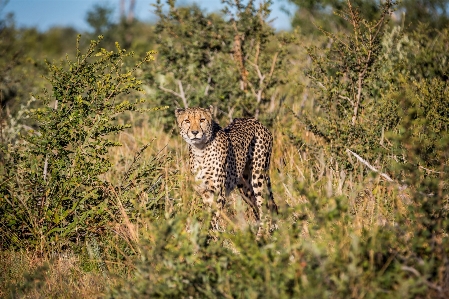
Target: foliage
(234, 62)
(176, 263)
(423, 140)
(402, 124)
(51, 186)
(14, 65)
(324, 13)
(23, 51)
(362, 193)
(433, 12)
(429, 53)
(345, 79)
(100, 19)
(312, 14)
(9, 59)
(418, 146)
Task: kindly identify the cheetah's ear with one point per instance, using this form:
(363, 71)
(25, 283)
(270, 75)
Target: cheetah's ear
(211, 109)
(179, 111)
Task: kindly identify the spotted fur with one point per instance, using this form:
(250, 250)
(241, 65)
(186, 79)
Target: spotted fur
(222, 159)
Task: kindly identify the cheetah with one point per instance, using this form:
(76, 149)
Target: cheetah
(222, 159)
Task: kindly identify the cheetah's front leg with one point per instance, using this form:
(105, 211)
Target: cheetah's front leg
(214, 204)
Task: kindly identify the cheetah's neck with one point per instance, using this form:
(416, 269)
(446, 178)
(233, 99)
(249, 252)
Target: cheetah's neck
(197, 153)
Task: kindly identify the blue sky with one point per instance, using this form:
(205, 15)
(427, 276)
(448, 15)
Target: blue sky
(44, 14)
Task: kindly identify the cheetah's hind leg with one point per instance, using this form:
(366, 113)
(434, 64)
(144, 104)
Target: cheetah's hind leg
(248, 196)
(271, 204)
(259, 172)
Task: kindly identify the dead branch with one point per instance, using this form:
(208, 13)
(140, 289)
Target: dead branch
(359, 95)
(273, 64)
(206, 91)
(180, 95)
(238, 55)
(183, 97)
(426, 282)
(259, 73)
(384, 175)
(346, 98)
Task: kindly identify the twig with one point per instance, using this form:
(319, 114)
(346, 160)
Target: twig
(45, 168)
(384, 175)
(346, 98)
(430, 170)
(426, 282)
(208, 86)
(273, 64)
(181, 95)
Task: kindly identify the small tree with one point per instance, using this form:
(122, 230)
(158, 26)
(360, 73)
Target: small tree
(233, 62)
(51, 182)
(99, 18)
(347, 93)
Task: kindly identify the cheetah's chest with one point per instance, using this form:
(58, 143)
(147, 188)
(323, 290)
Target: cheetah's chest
(205, 163)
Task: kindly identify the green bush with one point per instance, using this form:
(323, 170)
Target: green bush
(233, 61)
(344, 77)
(52, 188)
(135, 227)
(383, 95)
(344, 264)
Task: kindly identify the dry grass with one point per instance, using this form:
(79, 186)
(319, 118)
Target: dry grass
(369, 197)
(25, 275)
(369, 200)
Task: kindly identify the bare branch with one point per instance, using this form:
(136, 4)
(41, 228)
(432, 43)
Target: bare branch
(259, 96)
(261, 77)
(346, 98)
(251, 86)
(430, 170)
(206, 91)
(45, 167)
(256, 59)
(273, 64)
(358, 96)
(230, 113)
(183, 97)
(426, 282)
(272, 101)
(179, 95)
(384, 175)
(242, 85)
(169, 91)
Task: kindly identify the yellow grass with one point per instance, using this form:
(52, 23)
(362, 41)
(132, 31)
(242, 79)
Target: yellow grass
(368, 198)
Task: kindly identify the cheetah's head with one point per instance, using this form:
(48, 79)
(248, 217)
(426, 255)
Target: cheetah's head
(195, 125)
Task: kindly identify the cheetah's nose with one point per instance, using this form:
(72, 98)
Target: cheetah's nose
(194, 133)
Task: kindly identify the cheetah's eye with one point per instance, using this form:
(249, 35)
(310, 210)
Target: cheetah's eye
(202, 120)
(187, 121)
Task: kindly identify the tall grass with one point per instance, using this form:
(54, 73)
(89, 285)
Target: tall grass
(344, 229)
(325, 244)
